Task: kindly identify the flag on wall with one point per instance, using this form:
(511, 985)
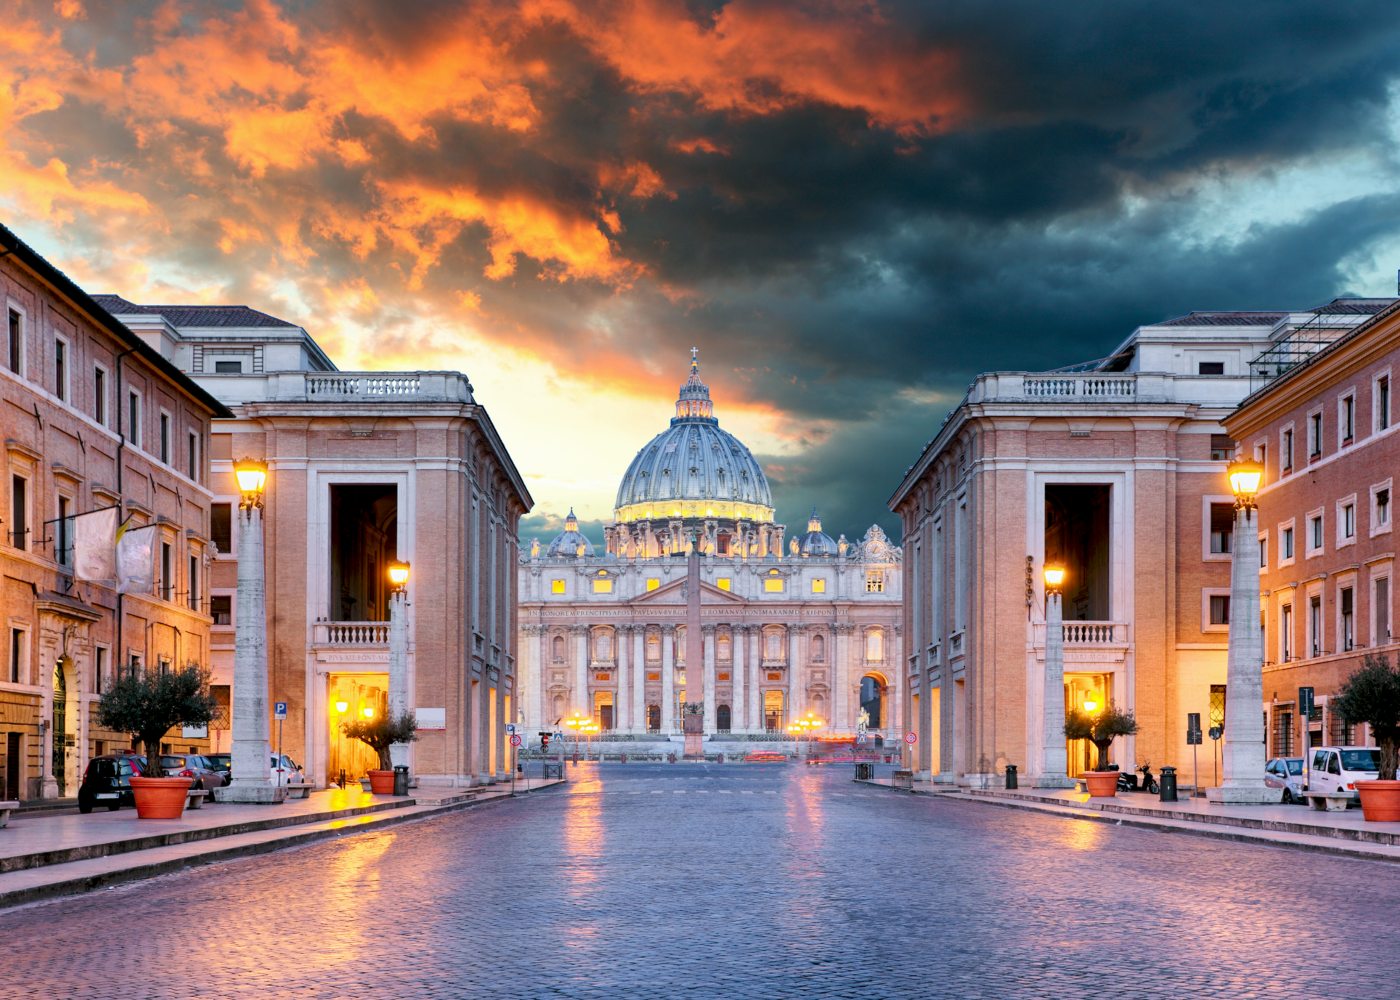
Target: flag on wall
(136, 557)
(95, 546)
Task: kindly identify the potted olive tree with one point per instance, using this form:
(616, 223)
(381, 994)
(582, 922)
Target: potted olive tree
(1372, 695)
(148, 704)
(379, 734)
(1100, 729)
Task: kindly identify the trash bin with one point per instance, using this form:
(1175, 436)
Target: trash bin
(1011, 776)
(401, 779)
(1168, 785)
(865, 771)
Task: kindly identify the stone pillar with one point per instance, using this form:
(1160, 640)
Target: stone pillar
(753, 634)
(582, 704)
(621, 703)
(924, 748)
(1242, 756)
(1054, 756)
(844, 671)
(738, 721)
(533, 651)
(639, 679)
(398, 668)
(668, 680)
(708, 692)
(252, 776)
(797, 679)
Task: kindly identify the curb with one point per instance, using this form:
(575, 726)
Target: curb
(390, 817)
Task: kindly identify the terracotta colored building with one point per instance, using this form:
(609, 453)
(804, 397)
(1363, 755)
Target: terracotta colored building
(1115, 469)
(363, 468)
(92, 417)
(1322, 419)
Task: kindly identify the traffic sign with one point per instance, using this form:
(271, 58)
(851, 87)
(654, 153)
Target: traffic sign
(514, 740)
(279, 710)
(510, 728)
(911, 738)
(860, 738)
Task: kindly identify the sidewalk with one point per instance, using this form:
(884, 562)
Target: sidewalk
(1344, 833)
(45, 853)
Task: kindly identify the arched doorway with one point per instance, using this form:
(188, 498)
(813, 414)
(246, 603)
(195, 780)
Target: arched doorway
(64, 727)
(722, 718)
(773, 711)
(653, 718)
(872, 700)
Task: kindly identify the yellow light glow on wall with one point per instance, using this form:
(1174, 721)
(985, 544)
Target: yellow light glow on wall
(653, 583)
(773, 585)
(723, 583)
(602, 586)
(726, 510)
(556, 586)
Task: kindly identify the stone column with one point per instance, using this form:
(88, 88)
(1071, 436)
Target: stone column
(708, 631)
(754, 636)
(639, 679)
(668, 680)
(737, 665)
(533, 651)
(581, 701)
(844, 671)
(923, 755)
(1054, 757)
(1242, 756)
(797, 680)
(621, 703)
(398, 668)
(252, 776)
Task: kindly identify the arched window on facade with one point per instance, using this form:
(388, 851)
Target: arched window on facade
(557, 648)
(773, 643)
(874, 645)
(722, 718)
(818, 648)
(603, 644)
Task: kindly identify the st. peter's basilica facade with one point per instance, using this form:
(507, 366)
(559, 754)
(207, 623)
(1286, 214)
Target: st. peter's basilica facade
(806, 628)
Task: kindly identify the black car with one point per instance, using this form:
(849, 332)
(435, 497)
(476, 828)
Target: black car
(107, 781)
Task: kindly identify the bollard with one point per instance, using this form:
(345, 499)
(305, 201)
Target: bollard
(1168, 785)
(1011, 776)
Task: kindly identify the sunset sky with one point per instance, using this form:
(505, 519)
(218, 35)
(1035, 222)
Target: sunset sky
(851, 208)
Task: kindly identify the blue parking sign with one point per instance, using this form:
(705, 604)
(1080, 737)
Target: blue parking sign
(279, 710)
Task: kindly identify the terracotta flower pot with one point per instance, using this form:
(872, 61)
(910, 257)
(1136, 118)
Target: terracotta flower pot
(381, 782)
(160, 798)
(1380, 800)
(1101, 784)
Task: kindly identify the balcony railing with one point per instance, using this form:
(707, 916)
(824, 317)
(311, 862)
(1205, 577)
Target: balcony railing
(1082, 386)
(368, 387)
(351, 634)
(1078, 634)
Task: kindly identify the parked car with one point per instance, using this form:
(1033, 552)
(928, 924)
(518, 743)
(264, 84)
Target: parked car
(1286, 773)
(765, 756)
(107, 781)
(221, 762)
(285, 771)
(193, 766)
(1338, 769)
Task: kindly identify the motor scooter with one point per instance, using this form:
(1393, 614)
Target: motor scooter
(1128, 782)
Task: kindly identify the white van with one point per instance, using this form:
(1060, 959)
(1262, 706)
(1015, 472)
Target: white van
(1338, 769)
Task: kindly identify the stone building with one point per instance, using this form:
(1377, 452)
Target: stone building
(1116, 470)
(92, 418)
(782, 632)
(1322, 420)
(363, 468)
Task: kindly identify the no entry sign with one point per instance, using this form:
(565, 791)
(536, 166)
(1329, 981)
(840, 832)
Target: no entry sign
(911, 738)
(514, 739)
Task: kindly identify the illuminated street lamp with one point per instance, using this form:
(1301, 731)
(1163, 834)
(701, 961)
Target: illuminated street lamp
(251, 776)
(398, 653)
(577, 722)
(1243, 751)
(1054, 758)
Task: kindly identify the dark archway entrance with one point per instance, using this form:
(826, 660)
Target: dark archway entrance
(722, 718)
(872, 700)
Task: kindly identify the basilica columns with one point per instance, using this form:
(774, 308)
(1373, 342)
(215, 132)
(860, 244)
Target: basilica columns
(621, 702)
(845, 675)
(581, 699)
(755, 689)
(737, 665)
(668, 680)
(797, 681)
(638, 721)
(708, 631)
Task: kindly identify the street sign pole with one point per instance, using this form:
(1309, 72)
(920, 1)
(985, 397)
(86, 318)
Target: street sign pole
(279, 710)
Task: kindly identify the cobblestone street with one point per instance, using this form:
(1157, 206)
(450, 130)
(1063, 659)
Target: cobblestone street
(717, 881)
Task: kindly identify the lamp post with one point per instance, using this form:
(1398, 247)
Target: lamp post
(1242, 757)
(1054, 758)
(576, 722)
(341, 707)
(802, 729)
(398, 653)
(251, 775)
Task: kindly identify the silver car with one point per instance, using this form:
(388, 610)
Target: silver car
(193, 766)
(1286, 773)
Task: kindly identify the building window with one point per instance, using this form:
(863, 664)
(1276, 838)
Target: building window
(1380, 611)
(1345, 602)
(99, 395)
(1217, 705)
(1380, 509)
(165, 437)
(167, 582)
(1382, 402)
(99, 670)
(1346, 520)
(773, 585)
(18, 655)
(1314, 533)
(228, 367)
(1315, 434)
(557, 586)
(723, 583)
(133, 418)
(221, 526)
(16, 342)
(19, 512)
(193, 454)
(1285, 544)
(819, 585)
(221, 608)
(1346, 417)
(1285, 633)
(60, 368)
(1314, 624)
(875, 582)
(653, 583)
(1222, 528)
(1286, 450)
(1220, 609)
(1210, 368)
(874, 646)
(1263, 550)
(1222, 447)
(63, 532)
(193, 594)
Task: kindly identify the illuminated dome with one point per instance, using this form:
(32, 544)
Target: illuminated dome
(570, 541)
(694, 470)
(817, 542)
